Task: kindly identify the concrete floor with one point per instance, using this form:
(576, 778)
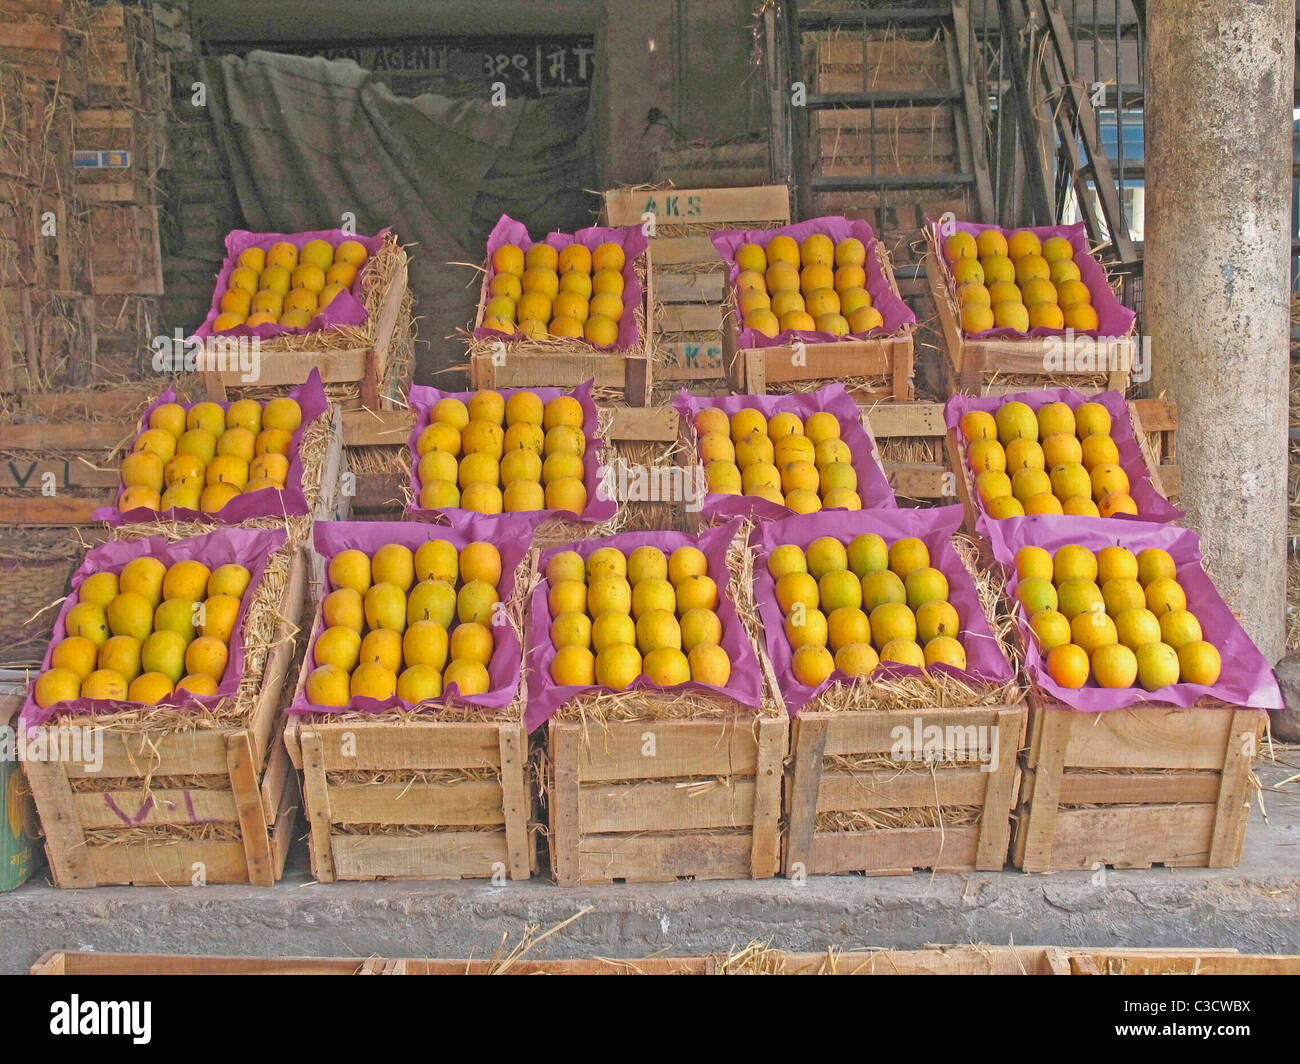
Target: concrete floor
(1254, 908)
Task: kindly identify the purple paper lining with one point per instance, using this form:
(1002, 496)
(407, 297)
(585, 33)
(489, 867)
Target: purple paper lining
(1152, 506)
(250, 548)
(511, 534)
(629, 238)
(246, 506)
(1246, 679)
(423, 398)
(1114, 320)
(985, 661)
(745, 684)
(345, 309)
(873, 484)
(897, 316)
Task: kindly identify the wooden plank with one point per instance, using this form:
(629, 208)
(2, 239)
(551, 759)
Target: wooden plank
(1233, 805)
(286, 821)
(1141, 788)
(896, 851)
(804, 794)
(668, 750)
(174, 864)
(516, 802)
(65, 840)
(366, 747)
(832, 361)
(905, 419)
(687, 318)
(316, 801)
(1156, 415)
(684, 250)
(248, 800)
(281, 368)
(1147, 737)
(152, 808)
(1185, 962)
(663, 858)
(276, 668)
(197, 753)
(466, 802)
(63, 473)
(566, 370)
(112, 964)
(705, 286)
(375, 428)
(871, 733)
(1000, 795)
(1171, 476)
(659, 423)
(765, 851)
(1132, 836)
(896, 788)
(913, 480)
(1037, 831)
(52, 511)
(30, 35)
(655, 806)
(698, 206)
(563, 801)
(438, 855)
(78, 436)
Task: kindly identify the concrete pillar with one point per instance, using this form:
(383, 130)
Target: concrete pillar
(1220, 77)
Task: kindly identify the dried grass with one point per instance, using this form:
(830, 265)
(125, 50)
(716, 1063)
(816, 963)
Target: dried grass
(913, 816)
(164, 835)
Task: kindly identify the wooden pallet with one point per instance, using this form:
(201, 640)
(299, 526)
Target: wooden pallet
(469, 829)
(366, 366)
(555, 363)
(690, 277)
(753, 370)
(1154, 425)
(976, 366)
(249, 790)
(618, 815)
(1181, 800)
(813, 787)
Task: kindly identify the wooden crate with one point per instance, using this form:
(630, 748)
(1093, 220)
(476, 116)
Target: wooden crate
(1154, 424)
(618, 815)
(47, 339)
(813, 787)
(126, 165)
(468, 829)
(912, 440)
(690, 278)
(369, 366)
(33, 39)
(122, 64)
(756, 370)
(73, 962)
(248, 789)
(995, 366)
(566, 364)
(1135, 787)
(43, 240)
(727, 165)
(125, 255)
(1179, 962)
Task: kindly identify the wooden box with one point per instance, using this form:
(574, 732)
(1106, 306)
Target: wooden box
(706, 805)
(373, 365)
(912, 441)
(1131, 788)
(790, 367)
(690, 277)
(158, 824)
(885, 791)
(125, 255)
(472, 828)
(556, 363)
(999, 365)
(47, 339)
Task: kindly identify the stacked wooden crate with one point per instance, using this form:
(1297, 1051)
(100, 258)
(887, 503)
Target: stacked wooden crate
(689, 276)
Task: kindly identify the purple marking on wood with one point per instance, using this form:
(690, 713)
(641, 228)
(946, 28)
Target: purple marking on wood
(134, 821)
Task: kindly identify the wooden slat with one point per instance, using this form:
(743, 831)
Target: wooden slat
(869, 733)
(1171, 477)
(77, 436)
(916, 480)
(682, 318)
(654, 806)
(113, 964)
(29, 35)
(1185, 962)
(691, 360)
(65, 840)
(516, 803)
(905, 419)
(765, 851)
(700, 287)
(408, 745)
(680, 748)
(566, 370)
(831, 361)
(67, 475)
(1147, 738)
(197, 753)
(1000, 796)
(128, 809)
(698, 206)
(1234, 796)
(1037, 830)
(892, 788)
(429, 804)
(316, 802)
(55, 511)
(684, 250)
(1156, 415)
(663, 858)
(894, 852)
(281, 368)
(804, 793)
(438, 855)
(1132, 836)
(563, 801)
(1145, 788)
(374, 428)
(660, 423)
(174, 864)
(248, 801)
